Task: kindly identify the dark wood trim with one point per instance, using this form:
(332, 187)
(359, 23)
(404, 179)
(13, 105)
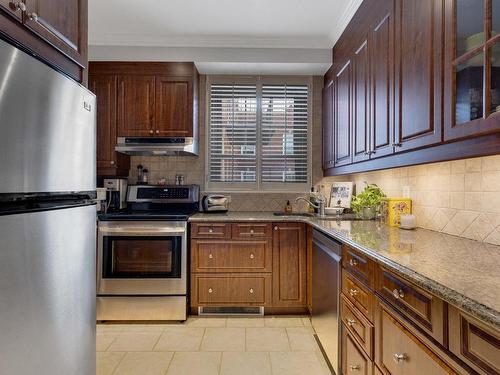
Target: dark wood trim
(143, 68)
(468, 326)
(474, 147)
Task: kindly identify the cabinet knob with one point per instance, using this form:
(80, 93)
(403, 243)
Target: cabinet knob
(210, 290)
(33, 17)
(251, 290)
(350, 322)
(355, 367)
(112, 162)
(210, 230)
(210, 256)
(398, 144)
(400, 357)
(367, 153)
(157, 132)
(353, 292)
(151, 131)
(353, 262)
(252, 256)
(275, 227)
(398, 293)
(17, 5)
(252, 231)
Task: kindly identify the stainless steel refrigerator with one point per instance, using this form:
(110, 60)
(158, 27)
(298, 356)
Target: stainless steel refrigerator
(47, 220)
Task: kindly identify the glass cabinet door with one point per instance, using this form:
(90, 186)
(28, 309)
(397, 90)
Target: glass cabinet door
(474, 37)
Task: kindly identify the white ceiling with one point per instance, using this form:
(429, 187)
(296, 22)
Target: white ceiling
(202, 24)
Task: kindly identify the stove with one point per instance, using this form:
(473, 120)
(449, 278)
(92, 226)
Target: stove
(142, 255)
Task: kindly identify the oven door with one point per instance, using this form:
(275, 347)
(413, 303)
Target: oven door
(141, 258)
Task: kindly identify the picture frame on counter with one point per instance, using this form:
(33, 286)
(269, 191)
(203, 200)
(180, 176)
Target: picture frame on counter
(341, 194)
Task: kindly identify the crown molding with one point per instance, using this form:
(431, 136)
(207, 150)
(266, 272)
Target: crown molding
(346, 17)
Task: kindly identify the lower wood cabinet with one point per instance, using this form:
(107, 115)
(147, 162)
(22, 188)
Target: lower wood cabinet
(474, 342)
(357, 324)
(249, 264)
(289, 265)
(353, 359)
(232, 289)
(399, 352)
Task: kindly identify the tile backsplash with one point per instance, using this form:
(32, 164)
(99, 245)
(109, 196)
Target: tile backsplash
(459, 197)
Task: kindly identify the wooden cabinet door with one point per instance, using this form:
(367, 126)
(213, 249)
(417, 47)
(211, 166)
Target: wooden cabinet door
(353, 360)
(343, 115)
(328, 148)
(109, 162)
(174, 106)
(382, 82)
(419, 62)
(289, 265)
(13, 8)
(136, 105)
(62, 23)
(361, 98)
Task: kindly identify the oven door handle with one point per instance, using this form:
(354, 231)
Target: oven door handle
(142, 231)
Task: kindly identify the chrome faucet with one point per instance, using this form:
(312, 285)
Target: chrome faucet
(320, 205)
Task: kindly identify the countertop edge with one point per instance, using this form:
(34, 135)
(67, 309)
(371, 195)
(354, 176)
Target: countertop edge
(470, 306)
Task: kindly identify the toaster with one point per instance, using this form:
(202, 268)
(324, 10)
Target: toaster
(215, 203)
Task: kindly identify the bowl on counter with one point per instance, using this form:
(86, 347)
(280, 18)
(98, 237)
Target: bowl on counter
(334, 210)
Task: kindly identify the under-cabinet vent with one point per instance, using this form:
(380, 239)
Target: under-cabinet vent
(229, 310)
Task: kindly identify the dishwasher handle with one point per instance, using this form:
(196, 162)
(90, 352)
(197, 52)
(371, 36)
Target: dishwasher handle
(328, 245)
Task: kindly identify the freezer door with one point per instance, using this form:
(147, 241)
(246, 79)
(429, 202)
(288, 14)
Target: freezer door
(48, 128)
(47, 292)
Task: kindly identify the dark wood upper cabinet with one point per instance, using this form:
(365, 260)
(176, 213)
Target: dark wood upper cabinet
(109, 162)
(361, 104)
(419, 46)
(136, 105)
(343, 115)
(382, 82)
(53, 30)
(328, 91)
(174, 106)
(60, 23)
(289, 265)
(472, 68)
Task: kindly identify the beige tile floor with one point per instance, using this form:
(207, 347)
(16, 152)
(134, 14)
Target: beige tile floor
(218, 346)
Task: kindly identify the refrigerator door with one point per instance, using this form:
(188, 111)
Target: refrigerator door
(48, 128)
(47, 292)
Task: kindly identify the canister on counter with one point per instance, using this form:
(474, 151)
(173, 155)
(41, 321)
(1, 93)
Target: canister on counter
(392, 208)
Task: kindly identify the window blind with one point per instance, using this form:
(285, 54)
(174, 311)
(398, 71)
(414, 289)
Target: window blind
(233, 133)
(283, 133)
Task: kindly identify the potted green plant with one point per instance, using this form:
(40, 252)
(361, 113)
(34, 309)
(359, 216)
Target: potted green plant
(366, 204)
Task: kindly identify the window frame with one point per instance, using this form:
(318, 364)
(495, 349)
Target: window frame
(258, 186)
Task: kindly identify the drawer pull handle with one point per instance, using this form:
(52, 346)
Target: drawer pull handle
(210, 290)
(355, 367)
(275, 227)
(33, 17)
(18, 5)
(251, 290)
(350, 322)
(252, 231)
(398, 293)
(353, 262)
(252, 256)
(210, 230)
(353, 292)
(400, 357)
(210, 256)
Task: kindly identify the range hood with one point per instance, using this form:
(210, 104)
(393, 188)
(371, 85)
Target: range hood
(157, 146)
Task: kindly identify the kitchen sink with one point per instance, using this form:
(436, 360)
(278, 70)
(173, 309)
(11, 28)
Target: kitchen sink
(306, 214)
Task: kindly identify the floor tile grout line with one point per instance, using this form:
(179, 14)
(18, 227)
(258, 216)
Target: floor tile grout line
(118, 364)
(157, 341)
(170, 363)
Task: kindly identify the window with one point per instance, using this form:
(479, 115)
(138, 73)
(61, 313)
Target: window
(258, 134)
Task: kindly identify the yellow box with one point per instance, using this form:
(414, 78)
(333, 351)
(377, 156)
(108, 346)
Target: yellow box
(392, 208)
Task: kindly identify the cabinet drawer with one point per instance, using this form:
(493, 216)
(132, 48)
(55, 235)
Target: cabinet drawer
(354, 360)
(210, 230)
(359, 327)
(475, 343)
(358, 294)
(231, 256)
(401, 353)
(232, 289)
(251, 230)
(358, 264)
(426, 310)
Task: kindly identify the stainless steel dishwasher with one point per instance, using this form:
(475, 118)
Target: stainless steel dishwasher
(325, 295)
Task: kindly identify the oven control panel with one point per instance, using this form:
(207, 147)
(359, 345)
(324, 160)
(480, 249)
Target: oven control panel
(163, 194)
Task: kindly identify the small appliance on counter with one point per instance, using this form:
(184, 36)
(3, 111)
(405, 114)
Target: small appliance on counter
(215, 203)
(116, 195)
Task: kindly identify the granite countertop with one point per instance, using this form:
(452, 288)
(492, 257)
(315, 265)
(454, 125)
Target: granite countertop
(463, 272)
